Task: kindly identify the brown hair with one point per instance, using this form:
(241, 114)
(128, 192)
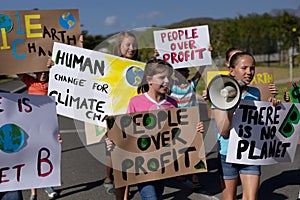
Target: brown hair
(153, 67)
(234, 59)
(228, 53)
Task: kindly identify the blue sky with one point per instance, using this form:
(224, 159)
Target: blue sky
(106, 17)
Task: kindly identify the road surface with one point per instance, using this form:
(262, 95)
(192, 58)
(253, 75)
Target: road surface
(82, 173)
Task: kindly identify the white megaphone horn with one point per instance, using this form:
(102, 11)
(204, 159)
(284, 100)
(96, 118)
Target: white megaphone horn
(224, 92)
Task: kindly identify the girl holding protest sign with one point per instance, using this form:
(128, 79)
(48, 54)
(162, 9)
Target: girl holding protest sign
(242, 67)
(153, 90)
(125, 46)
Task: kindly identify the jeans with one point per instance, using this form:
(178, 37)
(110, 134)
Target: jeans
(151, 190)
(11, 195)
(232, 170)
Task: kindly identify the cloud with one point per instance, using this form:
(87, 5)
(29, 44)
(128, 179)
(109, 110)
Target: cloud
(110, 21)
(154, 14)
(151, 15)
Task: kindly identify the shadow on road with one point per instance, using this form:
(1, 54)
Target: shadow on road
(286, 178)
(80, 188)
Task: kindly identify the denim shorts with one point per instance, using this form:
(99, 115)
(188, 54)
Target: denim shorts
(152, 190)
(232, 170)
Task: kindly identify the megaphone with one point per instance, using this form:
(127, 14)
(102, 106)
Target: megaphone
(224, 92)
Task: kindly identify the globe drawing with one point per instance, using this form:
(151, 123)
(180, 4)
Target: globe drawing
(6, 22)
(134, 75)
(67, 21)
(12, 138)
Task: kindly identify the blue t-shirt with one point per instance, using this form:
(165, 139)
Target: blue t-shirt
(252, 94)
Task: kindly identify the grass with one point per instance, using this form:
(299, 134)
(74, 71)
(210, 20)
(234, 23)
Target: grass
(281, 72)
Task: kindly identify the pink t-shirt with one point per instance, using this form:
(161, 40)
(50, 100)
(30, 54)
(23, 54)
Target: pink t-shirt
(144, 102)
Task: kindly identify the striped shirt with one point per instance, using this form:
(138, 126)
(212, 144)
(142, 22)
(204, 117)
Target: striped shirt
(185, 94)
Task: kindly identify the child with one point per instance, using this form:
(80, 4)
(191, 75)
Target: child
(125, 46)
(184, 92)
(184, 89)
(38, 86)
(242, 67)
(231, 51)
(153, 92)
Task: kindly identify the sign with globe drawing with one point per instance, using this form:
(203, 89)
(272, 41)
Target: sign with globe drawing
(27, 37)
(28, 138)
(89, 85)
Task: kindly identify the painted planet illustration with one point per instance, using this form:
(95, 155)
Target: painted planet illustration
(6, 22)
(67, 21)
(134, 75)
(12, 138)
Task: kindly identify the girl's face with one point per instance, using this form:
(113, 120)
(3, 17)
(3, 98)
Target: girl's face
(159, 83)
(42, 76)
(244, 70)
(128, 47)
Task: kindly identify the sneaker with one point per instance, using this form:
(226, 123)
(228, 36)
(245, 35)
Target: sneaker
(33, 197)
(109, 187)
(51, 193)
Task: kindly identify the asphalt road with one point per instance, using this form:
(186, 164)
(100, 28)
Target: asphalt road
(83, 171)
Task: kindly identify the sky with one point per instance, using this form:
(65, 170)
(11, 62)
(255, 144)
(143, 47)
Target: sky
(108, 17)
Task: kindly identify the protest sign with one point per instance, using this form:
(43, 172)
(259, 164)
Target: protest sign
(29, 149)
(184, 47)
(294, 91)
(93, 133)
(88, 85)
(155, 145)
(27, 36)
(262, 78)
(262, 134)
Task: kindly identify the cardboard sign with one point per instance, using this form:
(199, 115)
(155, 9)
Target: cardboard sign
(262, 134)
(263, 77)
(156, 145)
(93, 133)
(27, 36)
(29, 149)
(88, 85)
(261, 80)
(184, 47)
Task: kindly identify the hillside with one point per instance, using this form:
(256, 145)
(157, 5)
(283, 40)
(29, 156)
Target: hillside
(207, 20)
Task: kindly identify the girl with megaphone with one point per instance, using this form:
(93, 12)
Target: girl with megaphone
(241, 68)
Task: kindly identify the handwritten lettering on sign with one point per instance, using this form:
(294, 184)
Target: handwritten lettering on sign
(156, 145)
(184, 47)
(27, 37)
(88, 85)
(29, 149)
(263, 134)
